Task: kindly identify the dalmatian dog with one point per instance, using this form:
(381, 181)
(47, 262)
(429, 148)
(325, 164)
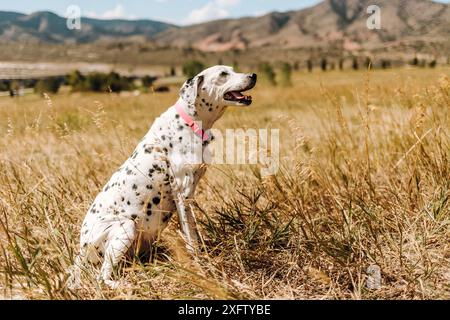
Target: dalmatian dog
(137, 203)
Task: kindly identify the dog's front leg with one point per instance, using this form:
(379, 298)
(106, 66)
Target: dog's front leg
(187, 223)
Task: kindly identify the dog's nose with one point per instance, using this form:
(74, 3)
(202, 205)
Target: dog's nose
(253, 76)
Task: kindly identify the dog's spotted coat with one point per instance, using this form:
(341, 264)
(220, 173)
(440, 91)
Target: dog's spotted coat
(138, 201)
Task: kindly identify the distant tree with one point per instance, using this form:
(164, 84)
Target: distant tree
(148, 81)
(77, 81)
(385, 64)
(173, 71)
(433, 64)
(192, 68)
(286, 75)
(50, 85)
(14, 85)
(415, 61)
(296, 66)
(309, 65)
(4, 85)
(341, 64)
(324, 64)
(355, 64)
(116, 83)
(96, 82)
(99, 82)
(220, 62)
(267, 73)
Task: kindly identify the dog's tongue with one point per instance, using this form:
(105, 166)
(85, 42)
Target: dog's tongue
(237, 95)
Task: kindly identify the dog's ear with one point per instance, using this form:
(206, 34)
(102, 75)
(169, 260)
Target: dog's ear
(190, 88)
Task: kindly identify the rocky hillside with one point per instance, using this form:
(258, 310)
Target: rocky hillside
(332, 21)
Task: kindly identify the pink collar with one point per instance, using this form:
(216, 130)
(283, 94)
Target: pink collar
(191, 123)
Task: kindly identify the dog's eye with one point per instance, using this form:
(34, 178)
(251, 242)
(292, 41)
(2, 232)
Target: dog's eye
(224, 74)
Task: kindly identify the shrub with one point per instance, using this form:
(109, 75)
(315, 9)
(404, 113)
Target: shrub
(117, 83)
(192, 68)
(173, 71)
(148, 81)
(355, 64)
(77, 81)
(286, 75)
(50, 85)
(310, 65)
(4, 85)
(267, 73)
(99, 82)
(385, 64)
(324, 64)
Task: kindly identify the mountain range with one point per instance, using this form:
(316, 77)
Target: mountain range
(330, 22)
(48, 27)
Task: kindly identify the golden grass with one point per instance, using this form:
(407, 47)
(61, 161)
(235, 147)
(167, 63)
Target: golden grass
(365, 180)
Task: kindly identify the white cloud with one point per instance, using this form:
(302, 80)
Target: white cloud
(227, 3)
(215, 9)
(118, 12)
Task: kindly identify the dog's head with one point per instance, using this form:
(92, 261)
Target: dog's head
(217, 87)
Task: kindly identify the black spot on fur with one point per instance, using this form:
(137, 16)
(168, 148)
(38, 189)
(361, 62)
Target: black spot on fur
(156, 200)
(135, 187)
(134, 216)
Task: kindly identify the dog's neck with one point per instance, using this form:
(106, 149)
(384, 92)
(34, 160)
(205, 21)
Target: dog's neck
(203, 111)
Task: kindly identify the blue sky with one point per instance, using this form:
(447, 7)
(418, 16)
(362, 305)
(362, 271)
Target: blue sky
(175, 11)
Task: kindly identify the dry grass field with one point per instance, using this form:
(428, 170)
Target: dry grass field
(364, 180)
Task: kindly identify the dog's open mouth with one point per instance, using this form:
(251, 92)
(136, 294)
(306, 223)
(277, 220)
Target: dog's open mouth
(237, 96)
